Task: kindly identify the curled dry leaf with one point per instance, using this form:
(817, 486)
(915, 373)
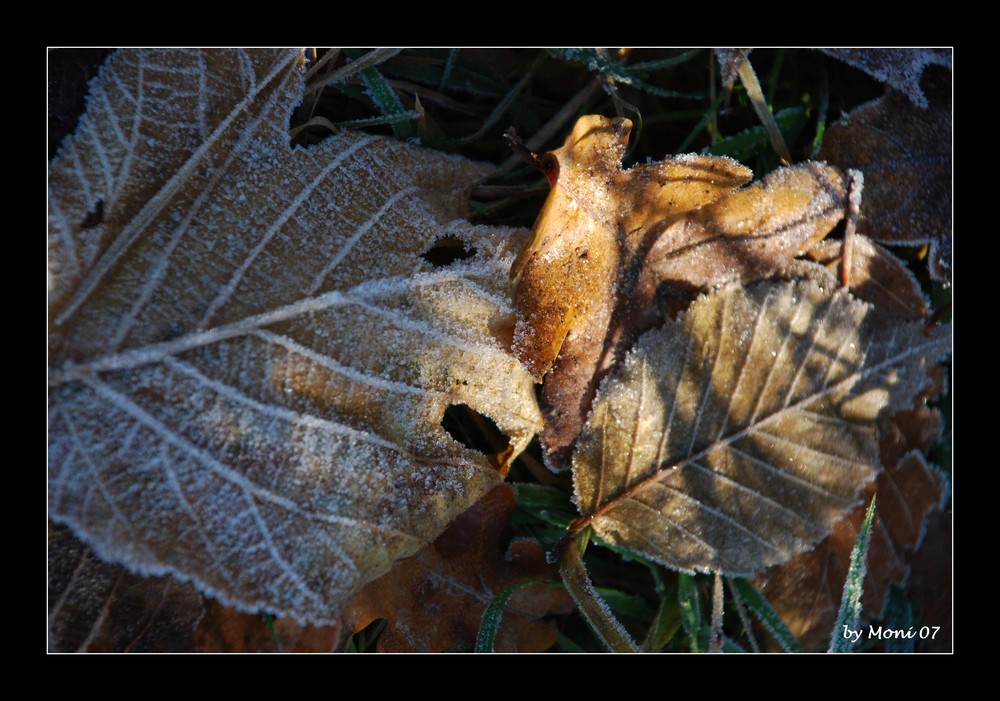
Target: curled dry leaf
(905, 155)
(613, 249)
(565, 278)
(735, 437)
(249, 357)
(434, 602)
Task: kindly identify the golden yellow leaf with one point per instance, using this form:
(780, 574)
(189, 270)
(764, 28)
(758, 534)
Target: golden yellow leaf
(614, 250)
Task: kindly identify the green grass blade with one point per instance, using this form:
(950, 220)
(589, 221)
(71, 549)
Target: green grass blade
(542, 513)
(754, 141)
(762, 608)
(687, 596)
(667, 62)
(625, 603)
(449, 66)
(664, 626)
(358, 62)
(702, 123)
(385, 98)
(269, 622)
(621, 74)
(497, 112)
(850, 602)
(821, 111)
(494, 614)
(405, 116)
(549, 503)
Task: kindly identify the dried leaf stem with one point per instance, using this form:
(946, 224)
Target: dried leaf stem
(608, 629)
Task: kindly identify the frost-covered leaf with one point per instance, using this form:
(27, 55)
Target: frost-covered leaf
(905, 155)
(615, 250)
(806, 590)
(900, 68)
(249, 358)
(96, 606)
(431, 603)
(877, 277)
(434, 602)
(735, 437)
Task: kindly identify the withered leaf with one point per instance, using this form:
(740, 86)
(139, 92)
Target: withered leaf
(96, 606)
(806, 590)
(900, 68)
(930, 584)
(432, 602)
(435, 601)
(614, 249)
(877, 277)
(735, 437)
(564, 279)
(249, 358)
(905, 155)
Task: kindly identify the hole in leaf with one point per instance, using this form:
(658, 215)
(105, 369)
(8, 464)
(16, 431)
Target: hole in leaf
(474, 430)
(364, 640)
(447, 250)
(94, 217)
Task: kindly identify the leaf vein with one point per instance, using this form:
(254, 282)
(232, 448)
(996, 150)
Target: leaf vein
(349, 244)
(275, 227)
(216, 467)
(134, 229)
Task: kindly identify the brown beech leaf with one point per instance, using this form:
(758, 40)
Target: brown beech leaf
(249, 358)
(613, 249)
(735, 437)
(905, 155)
(435, 601)
(900, 68)
(806, 590)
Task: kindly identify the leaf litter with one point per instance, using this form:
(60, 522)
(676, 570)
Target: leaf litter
(769, 242)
